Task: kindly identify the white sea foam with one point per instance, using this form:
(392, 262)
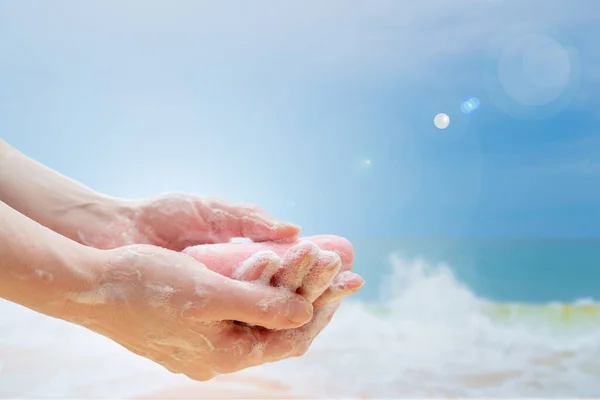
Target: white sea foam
(429, 336)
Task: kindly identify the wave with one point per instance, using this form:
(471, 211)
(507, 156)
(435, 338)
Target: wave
(417, 288)
(430, 335)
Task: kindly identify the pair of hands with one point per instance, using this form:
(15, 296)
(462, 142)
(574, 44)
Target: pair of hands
(164, 305)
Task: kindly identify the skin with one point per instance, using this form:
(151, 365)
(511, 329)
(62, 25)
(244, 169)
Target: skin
(318, 268)
(158, 303)
(109, 273)
(314, 282)
(174, 221)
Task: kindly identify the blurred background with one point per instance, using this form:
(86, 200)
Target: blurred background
(478, 238)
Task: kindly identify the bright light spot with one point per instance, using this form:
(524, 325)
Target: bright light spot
(367, 163)
(470, 105)
(441, 121)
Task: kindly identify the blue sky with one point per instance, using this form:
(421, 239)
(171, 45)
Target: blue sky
(281, 103)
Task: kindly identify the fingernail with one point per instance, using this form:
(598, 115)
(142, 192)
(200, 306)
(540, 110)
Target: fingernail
(282, 226)
(300, 311)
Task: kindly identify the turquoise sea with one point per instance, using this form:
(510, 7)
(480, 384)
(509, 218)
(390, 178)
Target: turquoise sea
(524, 270)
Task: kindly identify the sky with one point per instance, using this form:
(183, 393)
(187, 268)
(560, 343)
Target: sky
(321, 112)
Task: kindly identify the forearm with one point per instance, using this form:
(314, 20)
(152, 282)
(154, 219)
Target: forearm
(52, 199)
(39, 268)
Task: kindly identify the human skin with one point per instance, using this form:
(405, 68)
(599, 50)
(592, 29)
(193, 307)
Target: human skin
(172, 221)
(227, 259)
(317, 267)
(158, 303)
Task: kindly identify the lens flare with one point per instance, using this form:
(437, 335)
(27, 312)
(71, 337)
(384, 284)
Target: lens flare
(470, 105)
(441, 121)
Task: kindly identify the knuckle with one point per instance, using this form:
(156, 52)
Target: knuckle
(267, 310)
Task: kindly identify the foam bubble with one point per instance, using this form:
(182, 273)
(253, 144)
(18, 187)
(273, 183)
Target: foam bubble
(102, 295)
(47, 276)
(159, 295)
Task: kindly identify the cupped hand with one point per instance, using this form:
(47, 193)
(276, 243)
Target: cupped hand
(169, 308)
(318, 267)
(175, 221)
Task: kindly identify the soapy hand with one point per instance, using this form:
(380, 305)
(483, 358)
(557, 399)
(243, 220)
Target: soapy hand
(318, 267)
(176, 221)
(168, 307)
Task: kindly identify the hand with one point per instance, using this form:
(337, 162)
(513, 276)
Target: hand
(169, 308)
(319, 268)
(173, 221)
(176, 221)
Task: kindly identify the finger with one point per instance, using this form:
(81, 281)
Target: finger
(295, 342)
(261, 266)
(269, 307)
(243, 347)
(250, 221)
(295, 265)
(339, 245)
(320, 276)
(280, 345)
(212, 255)
(346, 283)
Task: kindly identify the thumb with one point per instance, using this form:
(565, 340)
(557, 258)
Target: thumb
(264, 228)
(254, 304)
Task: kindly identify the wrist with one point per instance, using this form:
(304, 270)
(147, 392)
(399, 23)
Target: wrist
(51, 271)
(55, 201)
(100, 221)
(76, 275)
